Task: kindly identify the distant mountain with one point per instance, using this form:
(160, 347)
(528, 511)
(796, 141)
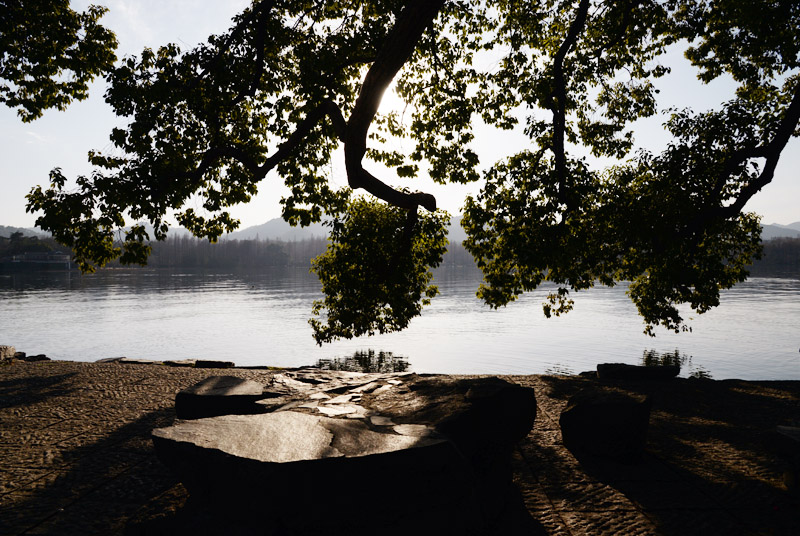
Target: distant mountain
(278, 229)
(795, 226)
(172, 232)
(768, 232)
(6, 231)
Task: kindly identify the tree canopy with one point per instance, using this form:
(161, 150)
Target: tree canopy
(292, 81)
(50, 53)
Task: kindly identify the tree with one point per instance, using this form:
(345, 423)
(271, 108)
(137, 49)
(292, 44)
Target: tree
(17, 244)
(49, 54)
(293, 80)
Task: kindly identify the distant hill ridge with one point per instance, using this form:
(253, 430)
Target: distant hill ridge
(7, 230)
(277, 229)
(776, 230)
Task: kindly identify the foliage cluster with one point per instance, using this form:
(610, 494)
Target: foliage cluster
(370, 284)
(17, 244)
(49, 54)
(292, 81)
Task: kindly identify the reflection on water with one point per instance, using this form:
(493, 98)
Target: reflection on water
(559, 370)
(366, 361)
(653, 358)
(262, 319)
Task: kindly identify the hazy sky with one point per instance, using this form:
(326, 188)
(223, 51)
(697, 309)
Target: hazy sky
(62, 139)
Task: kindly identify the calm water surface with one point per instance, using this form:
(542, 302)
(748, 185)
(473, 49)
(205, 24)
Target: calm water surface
(262, 320)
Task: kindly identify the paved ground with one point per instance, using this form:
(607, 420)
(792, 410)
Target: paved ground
(76, 458)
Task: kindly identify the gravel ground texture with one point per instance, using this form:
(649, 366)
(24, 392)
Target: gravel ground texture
(76, 456)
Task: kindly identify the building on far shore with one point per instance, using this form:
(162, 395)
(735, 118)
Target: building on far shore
(37, 261)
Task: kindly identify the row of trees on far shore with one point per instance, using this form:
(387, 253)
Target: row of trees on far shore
(19, 244)
(187, 252)
(780, 255)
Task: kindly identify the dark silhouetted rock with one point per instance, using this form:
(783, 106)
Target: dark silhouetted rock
(299, 473)
(606, 424)
(135, 361)
(483, 417)
(396, 454)
(187, 363)
(621, 371)
(219, 395)
(205, 363)
(33, 358)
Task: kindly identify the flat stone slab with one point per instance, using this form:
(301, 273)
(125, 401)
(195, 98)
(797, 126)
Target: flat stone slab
(289, 436)
(135, 361)
(792, 432)
(441, 448)
(187, 363)
(219, 395)
(622, 371)
(7, 352)
(207, 363)
(268, 470)
(31, 358)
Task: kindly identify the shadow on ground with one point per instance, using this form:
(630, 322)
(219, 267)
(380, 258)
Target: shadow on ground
(18, 391)
(714, 461)
(106, 482)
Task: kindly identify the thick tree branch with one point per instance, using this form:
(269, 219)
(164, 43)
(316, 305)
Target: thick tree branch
(559, 101)
(214, 153)
(771, 153)
(400, 44)
(327, 107)
(416, 16)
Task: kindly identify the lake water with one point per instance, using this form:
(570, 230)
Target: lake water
(262, 320)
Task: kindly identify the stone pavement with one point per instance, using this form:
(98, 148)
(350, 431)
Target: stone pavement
(76, 455)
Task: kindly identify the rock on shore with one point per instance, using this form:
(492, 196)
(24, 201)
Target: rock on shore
(357, 453)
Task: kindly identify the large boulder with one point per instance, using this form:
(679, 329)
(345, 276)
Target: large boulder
(483, 417)
(298, 473)
(606, 424)
(209, 363)
(622, 371)
(219, 395)
(32, 358)
(7, 352)
(387, 454)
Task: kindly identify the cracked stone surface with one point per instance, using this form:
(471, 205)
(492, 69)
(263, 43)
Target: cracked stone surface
(446, 451)
(289, 436)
